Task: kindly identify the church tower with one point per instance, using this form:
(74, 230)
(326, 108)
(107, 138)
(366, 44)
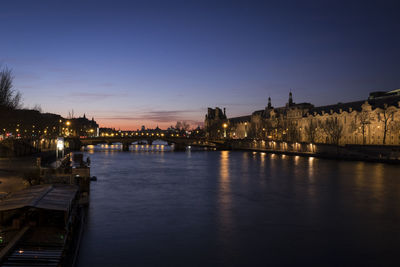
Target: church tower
(269, 103)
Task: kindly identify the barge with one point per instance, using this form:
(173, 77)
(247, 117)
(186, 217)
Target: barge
(41, 226)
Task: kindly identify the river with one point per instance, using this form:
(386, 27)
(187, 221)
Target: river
(155, 207)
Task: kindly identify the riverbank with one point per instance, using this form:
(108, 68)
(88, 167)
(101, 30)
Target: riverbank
(323, 156)
(13, 170)
(368, 153)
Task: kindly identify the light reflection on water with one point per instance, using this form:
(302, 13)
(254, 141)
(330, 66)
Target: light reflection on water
(155, 207)
(132, 147)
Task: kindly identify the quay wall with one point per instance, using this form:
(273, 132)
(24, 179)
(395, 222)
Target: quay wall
(25, 147)
(378, 153)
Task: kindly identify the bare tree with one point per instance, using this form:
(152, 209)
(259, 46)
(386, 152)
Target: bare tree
(38, 107)
(292, 132)
(278, 125)
(9, 98)
(71, 114)
(182, 126)
(396, 127)
(387, 114)
(255, 130)
(364, 121)
(333, 129)
(311, 131)
(178, 125)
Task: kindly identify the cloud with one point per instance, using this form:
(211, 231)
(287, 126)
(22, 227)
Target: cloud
(92, 95)
(159, 116)
(232, 104)
(87, 96)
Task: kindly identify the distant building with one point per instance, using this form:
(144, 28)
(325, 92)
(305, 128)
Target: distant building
(25, 123)
(213, 123)
(375, 120)
(82, 127)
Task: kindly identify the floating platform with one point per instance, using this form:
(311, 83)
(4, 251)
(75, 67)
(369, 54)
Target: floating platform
(41, 226)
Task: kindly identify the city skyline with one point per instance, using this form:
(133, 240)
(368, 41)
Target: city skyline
(131, 64)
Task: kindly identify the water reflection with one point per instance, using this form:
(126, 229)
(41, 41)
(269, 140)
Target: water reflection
(311, 175)
(211, 209)
(224, 168)
(132, 147)
(296, 160)
(224, 197)
(359, 174)
(370, 185)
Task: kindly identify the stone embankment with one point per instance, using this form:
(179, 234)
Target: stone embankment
(24, 147)
(375, 153)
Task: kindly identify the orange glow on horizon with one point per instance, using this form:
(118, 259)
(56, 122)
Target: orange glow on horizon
(134, 125)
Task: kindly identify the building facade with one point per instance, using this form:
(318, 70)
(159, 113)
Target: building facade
(374, 121)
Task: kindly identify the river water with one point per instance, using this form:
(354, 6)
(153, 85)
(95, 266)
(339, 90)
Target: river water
(155, 207)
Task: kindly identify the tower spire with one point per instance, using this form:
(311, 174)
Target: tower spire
(290, 98)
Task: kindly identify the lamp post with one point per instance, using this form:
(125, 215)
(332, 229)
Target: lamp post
(224, 126)
(60, 147)
(59, 127)
(68, 123)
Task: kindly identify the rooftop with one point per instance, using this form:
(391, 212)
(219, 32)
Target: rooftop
(50, 197)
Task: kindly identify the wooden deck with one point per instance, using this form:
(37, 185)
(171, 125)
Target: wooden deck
(34, 256)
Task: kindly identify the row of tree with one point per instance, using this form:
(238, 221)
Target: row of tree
(331, 128)
(281, 129)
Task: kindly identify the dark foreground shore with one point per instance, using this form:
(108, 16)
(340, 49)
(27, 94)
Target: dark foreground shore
(14, 169)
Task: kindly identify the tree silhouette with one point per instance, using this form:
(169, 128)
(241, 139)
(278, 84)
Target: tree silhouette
(333, 129)
(311, 131)
(364, 121)
(9, 98)
(387, 114)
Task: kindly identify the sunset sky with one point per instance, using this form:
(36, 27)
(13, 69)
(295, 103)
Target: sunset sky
(133, 63)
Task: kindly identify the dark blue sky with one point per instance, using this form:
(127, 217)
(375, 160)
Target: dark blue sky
(130, 63)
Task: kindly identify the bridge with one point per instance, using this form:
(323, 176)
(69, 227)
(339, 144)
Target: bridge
(23, 146)
(180, 143)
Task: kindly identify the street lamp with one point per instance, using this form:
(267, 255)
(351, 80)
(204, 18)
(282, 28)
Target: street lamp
(68, 123)
(60, 147)
(225, 126)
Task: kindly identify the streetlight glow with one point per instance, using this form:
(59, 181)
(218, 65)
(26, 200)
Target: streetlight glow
(225, 126)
